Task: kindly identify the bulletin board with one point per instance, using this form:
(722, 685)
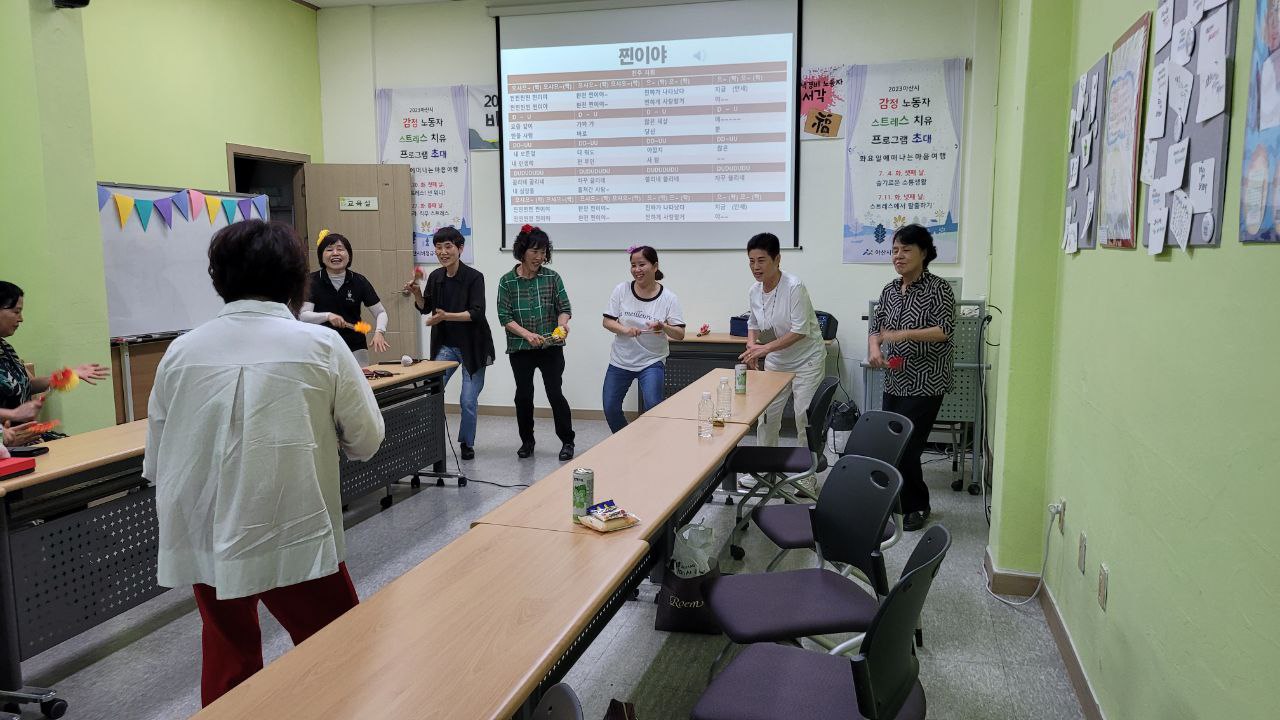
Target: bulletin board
(1084, 158)
(1184, 164)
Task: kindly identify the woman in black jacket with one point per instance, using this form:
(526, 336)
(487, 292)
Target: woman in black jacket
(454, 306)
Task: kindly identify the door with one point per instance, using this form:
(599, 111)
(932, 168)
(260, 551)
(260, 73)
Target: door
(382, 238)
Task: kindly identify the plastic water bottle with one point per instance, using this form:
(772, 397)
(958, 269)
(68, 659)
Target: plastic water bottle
(706, 409)
(724, 399)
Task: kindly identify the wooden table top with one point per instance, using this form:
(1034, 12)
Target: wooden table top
(95, 448)
(649, 468)
(714, 338)
(762, 387)
(468, 633)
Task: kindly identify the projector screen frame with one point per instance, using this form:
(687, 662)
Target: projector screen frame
(504, 245)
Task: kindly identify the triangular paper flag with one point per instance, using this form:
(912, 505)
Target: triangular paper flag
(229, 208)
(164, 206)
(144, 211)
(103, 196)
(211, 205)
(246, 208)
(260, 202)
(182, 202)
(197, 203)
(124, 206)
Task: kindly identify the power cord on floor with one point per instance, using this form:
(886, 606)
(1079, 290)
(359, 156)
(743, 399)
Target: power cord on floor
(1054, 511)
(448, 436)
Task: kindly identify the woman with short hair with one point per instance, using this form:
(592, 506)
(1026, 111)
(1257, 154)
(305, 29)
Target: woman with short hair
(336, 295)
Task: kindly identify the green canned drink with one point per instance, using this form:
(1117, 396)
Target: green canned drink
(740, 379)
(584, 490)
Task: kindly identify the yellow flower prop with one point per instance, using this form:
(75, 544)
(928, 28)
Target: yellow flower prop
(559, 333)
(320, 238)
(361, 327)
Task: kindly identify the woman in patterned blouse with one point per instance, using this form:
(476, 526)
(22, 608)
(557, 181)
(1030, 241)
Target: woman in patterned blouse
(20, 394)
(910, 338)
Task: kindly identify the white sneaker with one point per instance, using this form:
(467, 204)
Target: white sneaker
(747, 483)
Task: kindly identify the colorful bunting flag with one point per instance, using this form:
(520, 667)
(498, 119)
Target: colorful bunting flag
(182, 202)
(229, 209)
(198, 202)
(164, 206)
(144, 211)
(211, 207)
(103, 196)
(246, 208)
(124, 206)
(260, 202)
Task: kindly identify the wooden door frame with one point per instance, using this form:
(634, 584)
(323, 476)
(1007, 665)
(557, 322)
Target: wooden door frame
(282, 156)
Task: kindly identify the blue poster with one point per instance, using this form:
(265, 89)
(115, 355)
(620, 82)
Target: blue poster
(1260, 181)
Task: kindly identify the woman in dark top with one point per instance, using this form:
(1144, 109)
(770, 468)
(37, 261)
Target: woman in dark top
(454, 306)
(336, 294)
(910, 338)
(17, 388)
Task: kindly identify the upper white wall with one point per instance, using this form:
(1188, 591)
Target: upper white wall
(451, 43)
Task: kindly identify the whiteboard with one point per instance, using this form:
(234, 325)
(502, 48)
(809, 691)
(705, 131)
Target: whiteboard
(158, 278)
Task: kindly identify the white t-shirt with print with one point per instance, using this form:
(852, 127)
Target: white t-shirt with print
(638, 353)
(787, 309)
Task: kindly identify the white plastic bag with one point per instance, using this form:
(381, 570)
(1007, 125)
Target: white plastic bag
(694, 551)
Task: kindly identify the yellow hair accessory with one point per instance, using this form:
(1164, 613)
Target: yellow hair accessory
(320, 238)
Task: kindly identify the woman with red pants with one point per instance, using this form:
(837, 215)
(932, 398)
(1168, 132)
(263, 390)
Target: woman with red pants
(246, 417)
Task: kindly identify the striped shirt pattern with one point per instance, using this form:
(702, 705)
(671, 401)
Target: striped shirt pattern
(535, 303)
(928, 302)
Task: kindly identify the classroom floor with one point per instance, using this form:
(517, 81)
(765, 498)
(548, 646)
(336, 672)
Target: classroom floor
(981, 659)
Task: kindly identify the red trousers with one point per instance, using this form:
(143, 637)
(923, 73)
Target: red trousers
(233, 641)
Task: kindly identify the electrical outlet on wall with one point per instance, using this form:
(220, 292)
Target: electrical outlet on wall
(1062, 516)
(1104, 576)
(1080, 559)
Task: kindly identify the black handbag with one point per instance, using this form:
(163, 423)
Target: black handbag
(682, 603)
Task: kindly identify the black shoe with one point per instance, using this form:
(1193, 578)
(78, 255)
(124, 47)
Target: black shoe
(467, 452)
(915, 520)
(566, 452)
(525, 450)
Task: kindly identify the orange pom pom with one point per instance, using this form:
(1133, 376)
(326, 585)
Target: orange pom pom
(40, 428)
(64, 379)
(362, 327)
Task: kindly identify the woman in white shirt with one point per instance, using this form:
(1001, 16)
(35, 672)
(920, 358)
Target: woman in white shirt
(246, 417)
(782, 331)
(643, 314)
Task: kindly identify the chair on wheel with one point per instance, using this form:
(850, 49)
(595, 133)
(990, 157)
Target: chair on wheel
(559, 702)
(848, 522)
(780, 471)
(775, 682)
(878, 434)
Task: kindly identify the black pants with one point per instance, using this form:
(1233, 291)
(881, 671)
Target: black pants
(922, 411)
(551, 362)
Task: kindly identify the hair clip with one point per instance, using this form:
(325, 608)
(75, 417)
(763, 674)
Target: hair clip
(632, 250)
(321, 236)
(527, 228)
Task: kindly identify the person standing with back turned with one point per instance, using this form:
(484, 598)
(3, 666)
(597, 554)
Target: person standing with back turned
(244, 424)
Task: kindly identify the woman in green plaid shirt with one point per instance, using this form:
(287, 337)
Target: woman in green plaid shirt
(534, 309)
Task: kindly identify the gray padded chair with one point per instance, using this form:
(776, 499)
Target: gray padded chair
(559, 702)
(778, 471)
(878, 434)
(848, 522)
(776, 682)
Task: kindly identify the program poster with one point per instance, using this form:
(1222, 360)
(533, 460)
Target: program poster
(902, 160)
(1120, 141)
(482, 117)
(1260, 184)
(426, 128)
(823, 104)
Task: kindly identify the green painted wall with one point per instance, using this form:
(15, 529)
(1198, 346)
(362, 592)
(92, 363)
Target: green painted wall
(1154, 406)
(50, 243)
(171, 83)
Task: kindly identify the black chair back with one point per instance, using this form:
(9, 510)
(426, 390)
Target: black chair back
(559, 702)
(886, 670)
(819, 415)
(880, 434)
(852, 509)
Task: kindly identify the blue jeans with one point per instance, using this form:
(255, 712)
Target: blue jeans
(472, 384)
(616, 383)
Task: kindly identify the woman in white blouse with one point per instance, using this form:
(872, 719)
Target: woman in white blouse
(246, 417)
(782, 334)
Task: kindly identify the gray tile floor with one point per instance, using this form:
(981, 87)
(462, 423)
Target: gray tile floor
(981, 659)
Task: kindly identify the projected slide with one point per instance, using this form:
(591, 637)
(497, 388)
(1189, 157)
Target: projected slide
(657, 131)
